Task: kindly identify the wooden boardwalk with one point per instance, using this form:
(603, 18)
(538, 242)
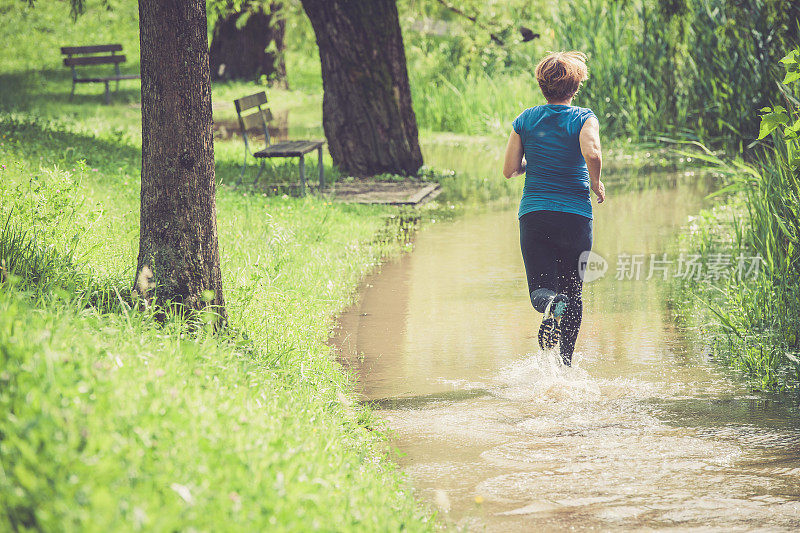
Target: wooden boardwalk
(386, 192)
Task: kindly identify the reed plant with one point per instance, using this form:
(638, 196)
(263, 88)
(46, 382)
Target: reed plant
(758, 317)
(691, 69)
(478, 104)
(684, 70)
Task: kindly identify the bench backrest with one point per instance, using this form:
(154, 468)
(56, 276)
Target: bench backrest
(93, 49)
(86, 55)
(249, 118)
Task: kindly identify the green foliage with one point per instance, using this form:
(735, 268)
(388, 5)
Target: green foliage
(113, 421)
(760, 318)
(773, 118)
(777, 118)
(692, 69)
(473, 37)
(463, 81)
(774, 204)
(696, 69)
(119, 423)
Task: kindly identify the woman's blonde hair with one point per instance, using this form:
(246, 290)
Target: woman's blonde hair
(560, 74)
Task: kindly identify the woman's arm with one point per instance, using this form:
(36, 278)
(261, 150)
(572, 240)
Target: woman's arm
(590, 148)
(513, 166)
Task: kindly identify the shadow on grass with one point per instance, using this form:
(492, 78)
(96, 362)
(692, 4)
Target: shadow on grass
(34, 138)
(45, 89)
(278, 176)
(117, 162)
(115, 152)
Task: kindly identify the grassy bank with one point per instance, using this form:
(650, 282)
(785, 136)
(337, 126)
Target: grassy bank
(113, 422)
(753, 316)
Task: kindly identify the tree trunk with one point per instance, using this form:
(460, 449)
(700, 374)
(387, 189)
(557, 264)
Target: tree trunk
(246, 52)
(366, 109)
(178, 249)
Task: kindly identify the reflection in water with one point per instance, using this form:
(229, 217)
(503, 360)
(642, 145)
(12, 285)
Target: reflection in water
(643, 432)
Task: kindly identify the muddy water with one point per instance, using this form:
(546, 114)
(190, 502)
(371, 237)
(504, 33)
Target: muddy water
(643, 432)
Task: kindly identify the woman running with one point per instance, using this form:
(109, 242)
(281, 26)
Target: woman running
(557, 147)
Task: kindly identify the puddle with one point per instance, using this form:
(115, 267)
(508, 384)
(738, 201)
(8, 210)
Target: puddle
(643, 432)
(278, 127)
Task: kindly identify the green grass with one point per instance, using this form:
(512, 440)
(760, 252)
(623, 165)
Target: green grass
(118, 423)
(755, 319)
(114, 422)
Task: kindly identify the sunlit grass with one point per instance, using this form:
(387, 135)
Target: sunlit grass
(754, 319)
(118, 421)
(166, 428)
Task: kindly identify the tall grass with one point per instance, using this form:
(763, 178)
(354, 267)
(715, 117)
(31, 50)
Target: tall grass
(477, 104)
(697, 69)
(623, 87)
(759, 316)
(25, 262)
(688, 69)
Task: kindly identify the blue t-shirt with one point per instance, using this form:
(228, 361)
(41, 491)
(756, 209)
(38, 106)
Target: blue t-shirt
(556, 177)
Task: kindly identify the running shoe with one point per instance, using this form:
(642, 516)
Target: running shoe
(550, 330)
(549, 334)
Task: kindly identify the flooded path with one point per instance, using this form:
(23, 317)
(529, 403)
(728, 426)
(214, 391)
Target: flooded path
(643, 432)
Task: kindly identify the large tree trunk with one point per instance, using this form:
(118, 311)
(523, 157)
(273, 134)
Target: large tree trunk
(178, 250)
(366, 110)
(247, 52)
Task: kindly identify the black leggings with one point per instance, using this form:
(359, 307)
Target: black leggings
(552, 242)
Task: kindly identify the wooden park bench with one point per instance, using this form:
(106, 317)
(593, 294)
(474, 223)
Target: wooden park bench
(87, 55)
(258, 120)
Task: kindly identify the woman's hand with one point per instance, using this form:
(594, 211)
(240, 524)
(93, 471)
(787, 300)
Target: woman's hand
(600, 191)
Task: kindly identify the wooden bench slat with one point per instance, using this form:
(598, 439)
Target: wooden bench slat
(93, 60)
(289, 149)
(93, 49)
(251, 101)
(254, 121)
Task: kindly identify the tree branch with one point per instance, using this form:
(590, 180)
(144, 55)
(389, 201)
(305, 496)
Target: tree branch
(474, 19)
